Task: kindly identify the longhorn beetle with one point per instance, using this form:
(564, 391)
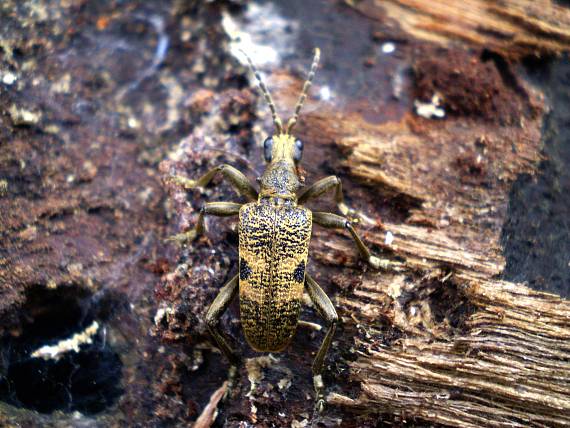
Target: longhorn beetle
(274, 233)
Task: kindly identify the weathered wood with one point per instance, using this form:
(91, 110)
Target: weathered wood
(505, 362)
(516, 28)
(438, 338)
(469, 350)
(441, 339)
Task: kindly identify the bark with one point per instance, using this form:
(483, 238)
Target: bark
(430, 140)
(516, 29)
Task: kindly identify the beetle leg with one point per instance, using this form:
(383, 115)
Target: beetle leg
(215, 312)
(220, 304)
(238, 181)
(324, 185)
(333, 221)
(220, 209)
(326, 309)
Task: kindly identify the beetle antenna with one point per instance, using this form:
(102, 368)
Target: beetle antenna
(266, 94)
(293, 121)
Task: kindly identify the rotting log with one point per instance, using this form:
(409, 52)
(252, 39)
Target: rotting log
(470, 350)
(515, 29)
(438, 338)
(463, 348)
(504, 362)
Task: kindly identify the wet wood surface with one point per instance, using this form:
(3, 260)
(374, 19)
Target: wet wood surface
(428, 136)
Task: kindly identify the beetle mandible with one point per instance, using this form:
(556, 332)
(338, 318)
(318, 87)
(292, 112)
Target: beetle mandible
(274, 233)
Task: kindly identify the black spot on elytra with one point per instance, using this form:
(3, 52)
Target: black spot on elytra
(299, 272)
(244, 270)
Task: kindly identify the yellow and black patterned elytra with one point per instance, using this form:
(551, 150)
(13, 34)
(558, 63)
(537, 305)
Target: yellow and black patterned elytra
(273, 244)
(274, 234)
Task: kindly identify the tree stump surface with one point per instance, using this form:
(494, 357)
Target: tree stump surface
(431, 137)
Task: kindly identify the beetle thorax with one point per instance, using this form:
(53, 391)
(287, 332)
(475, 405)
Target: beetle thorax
(280, 178)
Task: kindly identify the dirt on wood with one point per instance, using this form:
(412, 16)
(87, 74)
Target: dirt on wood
(102, 103)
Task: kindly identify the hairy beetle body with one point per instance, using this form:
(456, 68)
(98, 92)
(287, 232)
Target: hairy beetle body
(274, 240)
(274, 235)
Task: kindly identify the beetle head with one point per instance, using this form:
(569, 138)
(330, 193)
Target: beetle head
(283, 146)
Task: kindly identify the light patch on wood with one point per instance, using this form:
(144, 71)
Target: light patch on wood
(55, 352)
(208, 415)
(515, 28)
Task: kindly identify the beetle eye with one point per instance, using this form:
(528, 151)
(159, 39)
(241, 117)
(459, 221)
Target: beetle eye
(298, 153)
(268, 149)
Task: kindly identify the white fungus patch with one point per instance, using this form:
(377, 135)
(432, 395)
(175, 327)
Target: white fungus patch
(262, 32)
(21, 116)
(431, 110)
(299, 424)
(254, 370)
(325, 93)
(398, 82)
(55, 352)
(9, 78)
(389, 238)
(284, 383)
(161, 313)
(388, 47)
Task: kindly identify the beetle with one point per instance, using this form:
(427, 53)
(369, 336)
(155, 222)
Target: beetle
(274, 233)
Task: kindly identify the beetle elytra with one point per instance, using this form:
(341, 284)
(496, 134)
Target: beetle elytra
(274, 233)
